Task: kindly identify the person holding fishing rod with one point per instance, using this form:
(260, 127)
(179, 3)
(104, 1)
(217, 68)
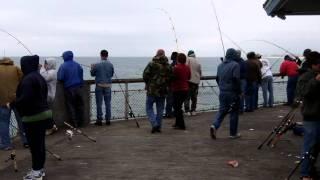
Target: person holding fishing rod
(228, 79)
(49, 73)
(289, 67)
(31, 103)
(266, 83)
(308, 89)
(10, 76)
(103, 72)
(70, 73)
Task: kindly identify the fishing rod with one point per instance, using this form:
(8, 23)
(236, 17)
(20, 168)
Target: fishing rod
(219, 28)
(18, 40)
(276, 45)
(172, 25)
(13, 158)
(311, 155)
(79, 131)
(233, 42)
(277, 129)
(47, 150)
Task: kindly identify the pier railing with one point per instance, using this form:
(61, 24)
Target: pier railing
(131, 92)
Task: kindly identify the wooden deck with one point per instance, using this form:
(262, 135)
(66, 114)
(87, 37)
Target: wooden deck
(123, 151)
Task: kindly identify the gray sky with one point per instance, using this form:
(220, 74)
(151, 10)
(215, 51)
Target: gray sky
(137, 28)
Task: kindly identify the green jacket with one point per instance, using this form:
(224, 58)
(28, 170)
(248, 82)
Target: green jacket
(308, 91)
(157, 76)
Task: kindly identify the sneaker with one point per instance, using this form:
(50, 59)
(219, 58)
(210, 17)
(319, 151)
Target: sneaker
(193, 113)
(238, 135)
(213, 132)
(108, 123)
(26, 145)
(98, 123)
(7, 148)
(34, 175)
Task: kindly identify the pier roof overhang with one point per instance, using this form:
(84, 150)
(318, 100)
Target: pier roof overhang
(281, 8)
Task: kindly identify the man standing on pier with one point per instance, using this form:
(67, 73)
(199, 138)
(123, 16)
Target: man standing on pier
(103, 71)
(157, 76)
(196, 73)
(71, 74)
(308, 89)
(228, 79)
(10, 76)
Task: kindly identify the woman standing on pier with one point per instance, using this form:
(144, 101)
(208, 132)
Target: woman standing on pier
(180, 88)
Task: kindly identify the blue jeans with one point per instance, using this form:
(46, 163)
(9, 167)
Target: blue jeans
(243, 90)
(225, 100)
(291, 88)
(311, 137)
(267, 86)
(250, 95)
(20, 127)
(5, 114)
(155, 119)
(103, 94)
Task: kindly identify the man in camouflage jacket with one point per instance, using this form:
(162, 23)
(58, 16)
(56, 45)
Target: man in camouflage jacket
(157, 76)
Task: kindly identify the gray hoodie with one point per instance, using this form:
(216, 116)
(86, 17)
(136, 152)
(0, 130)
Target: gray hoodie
(50, 75)
(228, 75)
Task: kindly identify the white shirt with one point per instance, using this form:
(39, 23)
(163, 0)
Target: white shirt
(266, 68)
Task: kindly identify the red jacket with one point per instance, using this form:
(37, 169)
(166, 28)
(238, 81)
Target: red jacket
(289, 68)
(182, 75)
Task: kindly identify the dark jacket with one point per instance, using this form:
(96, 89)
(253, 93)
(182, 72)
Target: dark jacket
(253, 71)
(70, 72)
(32, 91)
(228, 75)
(243, 67)
(308, 89)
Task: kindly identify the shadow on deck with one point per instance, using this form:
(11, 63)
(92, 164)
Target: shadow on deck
(123, 151)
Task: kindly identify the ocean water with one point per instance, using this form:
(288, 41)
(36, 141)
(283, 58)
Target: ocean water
(132, 67)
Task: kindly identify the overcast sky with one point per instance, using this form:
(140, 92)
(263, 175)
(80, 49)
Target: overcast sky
(137, 28)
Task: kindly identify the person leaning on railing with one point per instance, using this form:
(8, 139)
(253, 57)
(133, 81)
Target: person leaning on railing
(70, 73)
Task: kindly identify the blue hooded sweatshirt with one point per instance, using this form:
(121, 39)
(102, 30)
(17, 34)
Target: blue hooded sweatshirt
(70, 72)
(228, 75)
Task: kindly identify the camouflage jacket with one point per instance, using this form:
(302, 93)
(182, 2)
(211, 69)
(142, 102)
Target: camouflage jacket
(157, 76)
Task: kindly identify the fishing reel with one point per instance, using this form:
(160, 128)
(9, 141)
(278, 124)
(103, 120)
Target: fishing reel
(69, 134)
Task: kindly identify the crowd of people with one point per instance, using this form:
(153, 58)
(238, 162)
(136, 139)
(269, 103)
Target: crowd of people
(30, 93)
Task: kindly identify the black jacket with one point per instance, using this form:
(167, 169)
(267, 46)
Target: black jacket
(32, 92)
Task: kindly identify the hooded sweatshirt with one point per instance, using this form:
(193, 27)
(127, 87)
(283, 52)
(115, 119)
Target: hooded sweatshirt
(228, 74)
(50, 75)
(70, 72)
(195, 68)
(10, 77)
(157, 76)
(32, 92)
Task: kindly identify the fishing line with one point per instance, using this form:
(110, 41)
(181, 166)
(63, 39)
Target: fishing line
(219, 28)
(172, 25)
(18, 40)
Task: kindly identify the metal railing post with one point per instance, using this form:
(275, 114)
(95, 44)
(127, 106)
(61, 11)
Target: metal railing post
(126, 101)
